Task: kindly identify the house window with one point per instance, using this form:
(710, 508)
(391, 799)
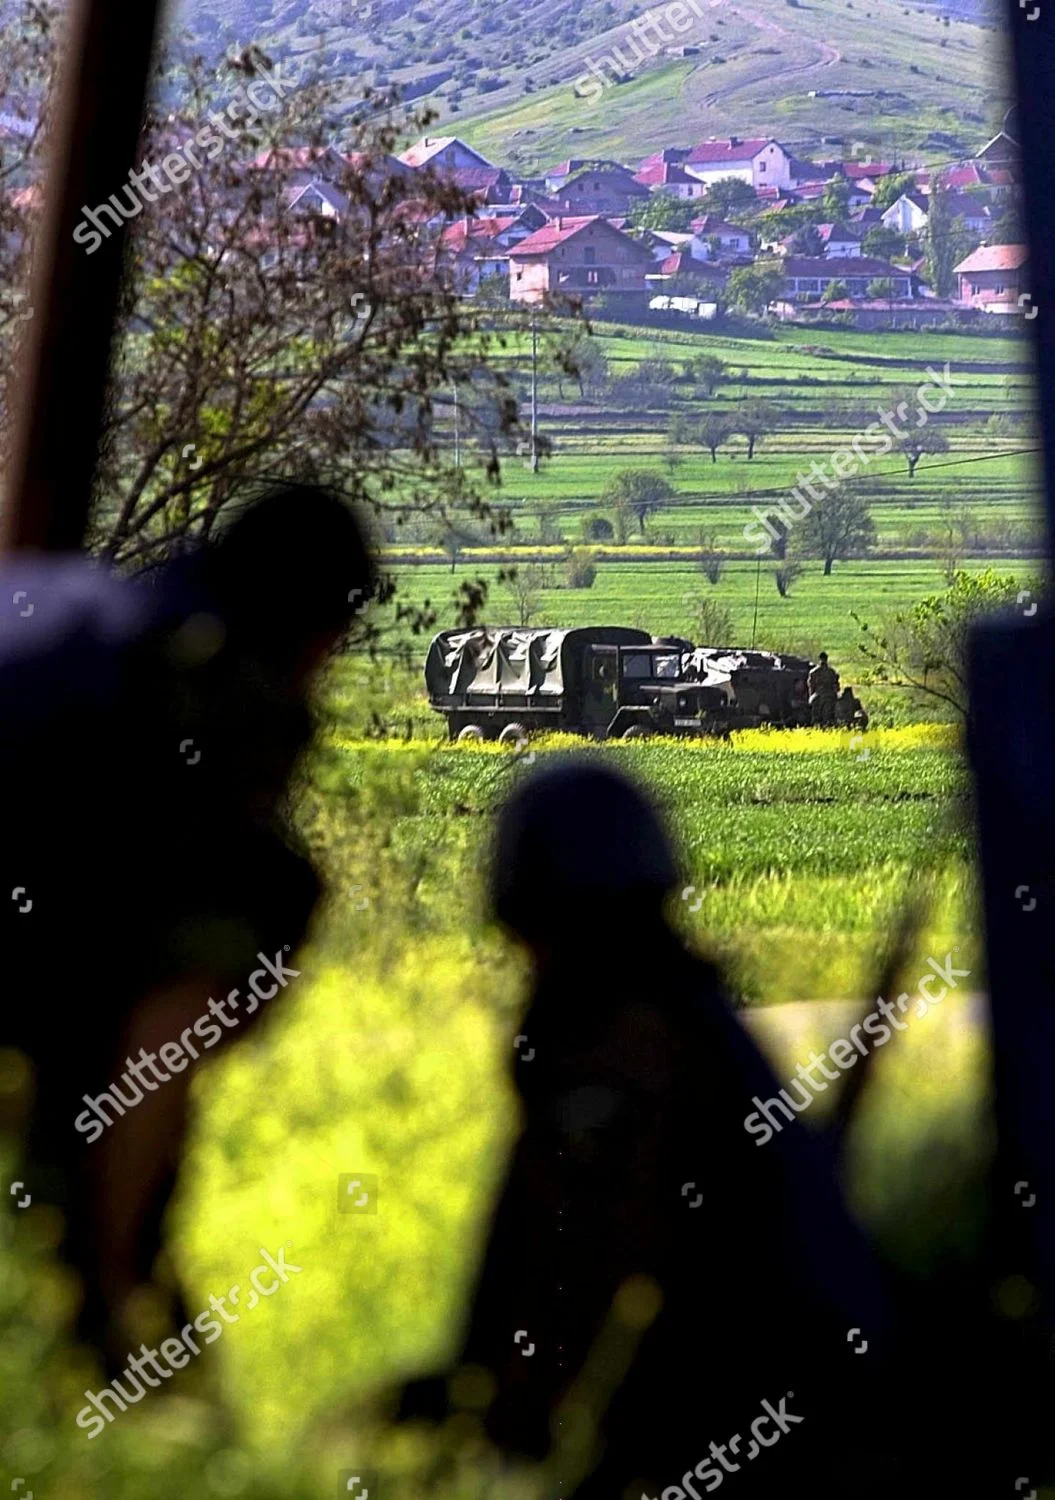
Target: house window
(589, 256)
(593, 278)
(999, 290)
(761, 166)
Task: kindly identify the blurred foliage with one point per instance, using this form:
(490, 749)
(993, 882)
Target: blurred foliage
(391, 1057)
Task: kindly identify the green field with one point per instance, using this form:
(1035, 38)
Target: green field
(825, 386)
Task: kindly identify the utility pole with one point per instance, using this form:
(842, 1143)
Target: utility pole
(534, 395)
(457, 431)
(758, 584)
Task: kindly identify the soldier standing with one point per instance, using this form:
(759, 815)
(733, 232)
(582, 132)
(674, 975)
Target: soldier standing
(849, 711)
(823, 685)
(650, 1272)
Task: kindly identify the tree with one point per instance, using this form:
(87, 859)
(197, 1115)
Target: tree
(278, 344)
(947, 240)
(890, 188)
(679, 435)
(728, 196)
(835, 291)
(754, 287)
(710, 372)
(918, 441)
(525, 585)
(807, 241)
(785, 576)
(926, 647)
(883, 243)
(837, 526)
(880, 286)
(712, 558)
(836, 200)
(714, 430)
(1008, 228)
(578, 356)
(638, 492)
(756, 418)
(662, 211)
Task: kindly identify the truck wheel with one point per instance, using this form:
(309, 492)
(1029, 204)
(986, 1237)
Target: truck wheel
(469, 733)
(637, 732)
(514, 734)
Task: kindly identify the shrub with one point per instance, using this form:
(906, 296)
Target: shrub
(598, 529)
(712, 624)
(580, 570)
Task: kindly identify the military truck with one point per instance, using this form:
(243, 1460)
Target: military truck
(606, 681)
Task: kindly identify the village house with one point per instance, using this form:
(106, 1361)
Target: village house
(760, 161)
(907, 214)
(476, 249)
(557, 176)
(730, 239)
(486, 185)
(993, 278)
(810, 276)
(670, 155)
(666, 242)
(608, 191)
(577, 256)
(443, 154)
(680, 266)
(840, 241)
(1001, 151)
(671, 178)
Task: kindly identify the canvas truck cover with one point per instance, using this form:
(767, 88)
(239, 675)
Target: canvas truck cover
(709, 660)
(509, 659)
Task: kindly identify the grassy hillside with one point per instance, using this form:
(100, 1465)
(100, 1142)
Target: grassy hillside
(937, 89)
(501, 71)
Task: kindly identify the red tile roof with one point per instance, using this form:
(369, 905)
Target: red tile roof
(668, 154)
(559, 231)
(734, 149)
(837, 232)
(457, 236)
(665, 172)
(838, 266)
(967, 175)
(852, 170)
(995, 258)
(711, 224)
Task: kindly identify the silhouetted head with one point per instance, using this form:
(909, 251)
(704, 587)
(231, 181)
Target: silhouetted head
(577, 841)
(289, 573)
(823, 658)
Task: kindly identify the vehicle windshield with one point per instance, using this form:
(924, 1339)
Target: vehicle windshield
(649, 664)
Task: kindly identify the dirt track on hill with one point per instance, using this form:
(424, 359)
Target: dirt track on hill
(829, 55)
